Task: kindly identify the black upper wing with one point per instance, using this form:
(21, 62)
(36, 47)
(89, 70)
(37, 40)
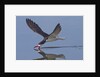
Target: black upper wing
(56, 31)
(35, 27)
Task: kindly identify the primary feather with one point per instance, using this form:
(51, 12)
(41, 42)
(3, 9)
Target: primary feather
(56, 31)
(35, 27)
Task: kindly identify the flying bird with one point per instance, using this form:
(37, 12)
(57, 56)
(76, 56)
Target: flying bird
(47, 37)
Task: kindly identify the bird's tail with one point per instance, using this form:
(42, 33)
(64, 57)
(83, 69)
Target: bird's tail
(60, 38)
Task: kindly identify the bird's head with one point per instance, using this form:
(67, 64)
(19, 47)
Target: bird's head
(37, 47)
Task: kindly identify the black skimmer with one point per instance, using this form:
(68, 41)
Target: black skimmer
(47, 37)
(49, 56)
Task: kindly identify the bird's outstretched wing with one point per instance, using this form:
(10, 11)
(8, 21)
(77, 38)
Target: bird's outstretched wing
(56, 31)
(35, 27)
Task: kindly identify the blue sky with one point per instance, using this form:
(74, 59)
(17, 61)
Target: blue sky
(72, 31)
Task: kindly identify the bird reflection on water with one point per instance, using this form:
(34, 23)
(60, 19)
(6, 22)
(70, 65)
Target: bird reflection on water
(49, 56)
(54, 56)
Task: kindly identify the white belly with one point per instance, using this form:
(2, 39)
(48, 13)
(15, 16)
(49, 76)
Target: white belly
(50, 40)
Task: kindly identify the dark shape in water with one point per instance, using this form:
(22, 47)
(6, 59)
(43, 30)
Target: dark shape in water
(49, 56)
